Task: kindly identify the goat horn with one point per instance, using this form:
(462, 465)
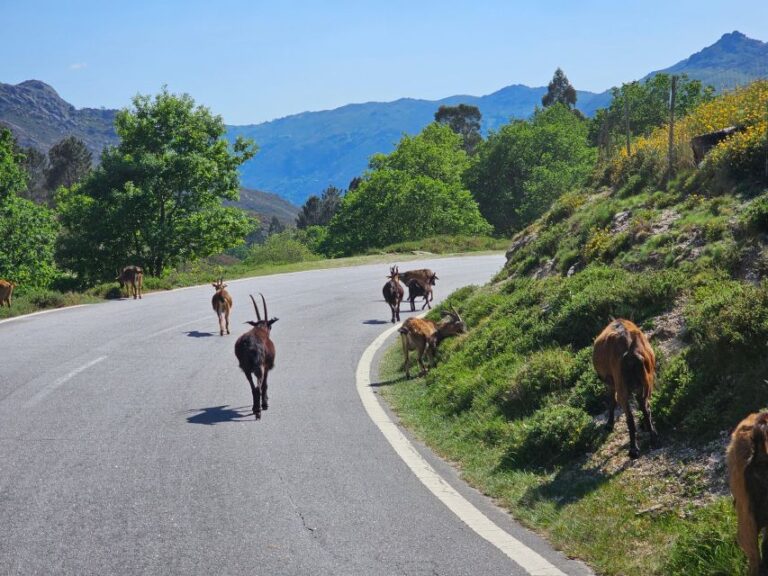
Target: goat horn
(255, 307)
(266, 316)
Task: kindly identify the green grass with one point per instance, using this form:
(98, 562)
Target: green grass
(607, 520)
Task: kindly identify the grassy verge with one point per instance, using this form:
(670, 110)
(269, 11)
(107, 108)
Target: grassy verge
(635, 518)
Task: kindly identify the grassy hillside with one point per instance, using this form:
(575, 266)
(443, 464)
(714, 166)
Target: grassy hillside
(517, 403)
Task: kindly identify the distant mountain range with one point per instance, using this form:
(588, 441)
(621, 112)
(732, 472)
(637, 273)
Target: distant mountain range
(304, 153)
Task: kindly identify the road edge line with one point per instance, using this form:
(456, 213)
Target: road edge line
(529, 560)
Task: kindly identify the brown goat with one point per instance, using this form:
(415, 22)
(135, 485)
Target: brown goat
(625, 362)
(418, 288)
(747, 458)
(131, 277)
(256, 355)
(425, 335)
(6, 292)
(423, 274)
(393, 293)
(222, 305)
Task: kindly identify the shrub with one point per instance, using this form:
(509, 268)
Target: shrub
(542, 373)
(550, 436)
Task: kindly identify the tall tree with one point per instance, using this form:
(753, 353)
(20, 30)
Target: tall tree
(521, 169)
(69, 162)
(319, 211)
(28, 230)
(463, 120)
(156, 198)
(412, 193)
(560, 91)
(36, 165)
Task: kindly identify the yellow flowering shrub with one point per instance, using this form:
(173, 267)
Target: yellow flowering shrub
(743, 152)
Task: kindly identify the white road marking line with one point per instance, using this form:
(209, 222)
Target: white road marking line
(531, 561)
(23, 316)
(56, 383)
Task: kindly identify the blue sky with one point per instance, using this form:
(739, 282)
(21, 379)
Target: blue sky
(256, 61)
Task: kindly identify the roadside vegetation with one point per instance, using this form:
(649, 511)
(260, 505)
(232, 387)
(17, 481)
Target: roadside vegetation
(516, 401)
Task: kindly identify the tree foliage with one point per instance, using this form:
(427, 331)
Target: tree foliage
(155, 199)
(647, 105)
(69, 162)
(559, 91)
(28, 230)
(464, 120)
(519, 171)
(319, 211)
(412, 193)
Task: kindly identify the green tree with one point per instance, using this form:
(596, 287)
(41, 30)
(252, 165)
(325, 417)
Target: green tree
(647, 105)
(13, 177)
(36, 166)
(412, 193)
(319, 211)
(28, 230)
(69, 162)
(463, 120)
(156, 197)
(519, 171)
(559, 91)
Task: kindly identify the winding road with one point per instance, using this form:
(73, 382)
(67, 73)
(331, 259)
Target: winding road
(127, 445)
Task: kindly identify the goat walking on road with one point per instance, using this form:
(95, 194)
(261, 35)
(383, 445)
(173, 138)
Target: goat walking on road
(393, 293)
(747, 458)
(425, 335)
(417, 287)
(222, 305)
(255, 353)
(625, 362)
(131, 279)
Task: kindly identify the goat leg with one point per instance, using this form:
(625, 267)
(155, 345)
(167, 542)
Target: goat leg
(611, 404)
(256, 392)
(264, 399)
(648, 422)
(634, 451)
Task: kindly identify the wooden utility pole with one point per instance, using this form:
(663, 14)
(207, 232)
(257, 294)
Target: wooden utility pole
(626, 119)
(671, 152)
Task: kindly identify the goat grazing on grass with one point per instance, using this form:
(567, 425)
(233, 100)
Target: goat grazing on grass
(747, 458)
(625, 362)
(222, 305)
(6, 291)
(425, 335)
(418, 288)
(393, 293)
(256, 355)
(131, 278)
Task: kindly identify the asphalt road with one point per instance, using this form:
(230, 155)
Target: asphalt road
(127, 445)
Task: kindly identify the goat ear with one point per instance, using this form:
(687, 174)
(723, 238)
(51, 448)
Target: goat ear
(272, 321)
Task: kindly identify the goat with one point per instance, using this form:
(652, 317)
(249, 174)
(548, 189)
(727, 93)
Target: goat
(6, 291)
(131, 277)
(424, 274)
(255, 353)
(418, 288)
(222, 304)
(625, 362)
(393, 293)
(425, 335)
(747, 458)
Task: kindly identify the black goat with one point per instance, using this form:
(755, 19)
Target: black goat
(393, 293)
(418, 287)
(256, 354)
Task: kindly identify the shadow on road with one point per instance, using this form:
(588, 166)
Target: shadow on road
(375, 322)
(220, 414)
(196, 334)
